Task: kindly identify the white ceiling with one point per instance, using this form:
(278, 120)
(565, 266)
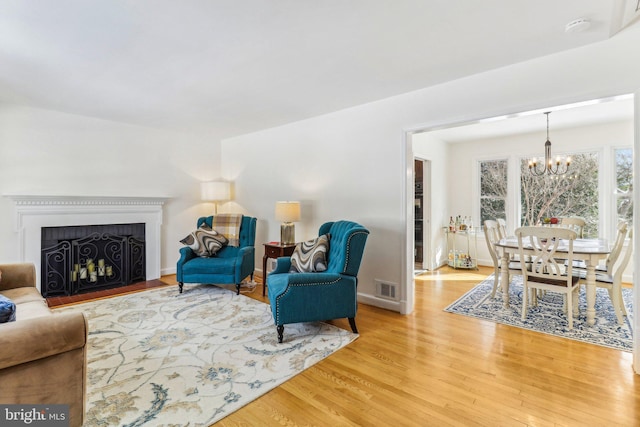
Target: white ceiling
(228, 67)
(589, 113)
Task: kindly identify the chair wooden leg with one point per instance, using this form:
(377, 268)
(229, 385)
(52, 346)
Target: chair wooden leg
(496, 278)
(280, 329)
(525, 291)
(623, 309)
(180, 285)
(352, 323)
(238, 289)
(570, 309)
(618, 305)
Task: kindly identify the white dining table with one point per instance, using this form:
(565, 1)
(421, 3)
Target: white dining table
(591, 251)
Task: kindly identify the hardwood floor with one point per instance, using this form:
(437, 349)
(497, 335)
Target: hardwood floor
(437, 368)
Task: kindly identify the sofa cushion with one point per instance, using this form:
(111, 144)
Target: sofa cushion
(202, 266)
(29, 310)
(205, 241)
(22, 295)
(7, 310)
(310, 256)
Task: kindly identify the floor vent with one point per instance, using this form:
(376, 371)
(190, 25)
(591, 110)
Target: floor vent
(386, 290)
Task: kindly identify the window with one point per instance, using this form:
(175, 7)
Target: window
(493, 189)
(573, 194)
(624, 184)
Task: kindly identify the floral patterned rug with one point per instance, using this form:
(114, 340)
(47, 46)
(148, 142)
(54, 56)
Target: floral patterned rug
(163, 358)
(548, 317)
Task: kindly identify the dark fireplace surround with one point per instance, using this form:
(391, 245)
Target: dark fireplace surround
(86, 258)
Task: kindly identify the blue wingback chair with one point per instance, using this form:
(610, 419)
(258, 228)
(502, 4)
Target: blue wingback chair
(331, 294)
(230, 265)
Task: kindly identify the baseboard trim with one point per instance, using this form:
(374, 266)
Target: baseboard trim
(379, 302)
(168, 271)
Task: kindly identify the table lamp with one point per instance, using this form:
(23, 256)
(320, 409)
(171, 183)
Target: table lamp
(215, 191)
(288, 213)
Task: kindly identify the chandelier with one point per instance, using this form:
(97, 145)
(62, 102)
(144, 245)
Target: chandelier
(550, 167)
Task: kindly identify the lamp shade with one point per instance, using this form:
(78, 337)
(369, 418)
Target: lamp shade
(288, 211)
(215, 191)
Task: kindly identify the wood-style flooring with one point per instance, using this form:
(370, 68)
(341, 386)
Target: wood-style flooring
(433, 368)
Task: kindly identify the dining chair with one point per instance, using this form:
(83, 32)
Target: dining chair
(502, 228)
(545, 272)
(573, 223)
(616, 250)
(491, 235)
(612, 280)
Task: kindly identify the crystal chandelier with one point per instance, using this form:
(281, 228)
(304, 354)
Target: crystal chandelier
(550, 167)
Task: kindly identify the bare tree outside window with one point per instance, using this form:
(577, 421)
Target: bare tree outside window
(493, 189)
(624, 184)
(573, 194)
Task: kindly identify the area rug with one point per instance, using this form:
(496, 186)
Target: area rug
(159, 357)
(548, 316)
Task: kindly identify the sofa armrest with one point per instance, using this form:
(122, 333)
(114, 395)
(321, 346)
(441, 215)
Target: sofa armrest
(19, 275)
(39, 337)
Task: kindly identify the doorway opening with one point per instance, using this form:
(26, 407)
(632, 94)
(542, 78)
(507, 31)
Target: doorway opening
(422, 215)
(442, 142)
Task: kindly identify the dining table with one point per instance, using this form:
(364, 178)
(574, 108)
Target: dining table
(591, 251)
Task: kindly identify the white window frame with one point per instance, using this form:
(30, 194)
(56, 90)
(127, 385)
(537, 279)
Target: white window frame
(607, 209)
(475, 204)
(613, 203)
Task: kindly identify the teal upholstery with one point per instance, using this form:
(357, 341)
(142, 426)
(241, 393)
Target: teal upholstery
(230, 265)
(331, 294)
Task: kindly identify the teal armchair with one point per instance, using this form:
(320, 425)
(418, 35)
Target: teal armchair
(319, 296)
(230, 265)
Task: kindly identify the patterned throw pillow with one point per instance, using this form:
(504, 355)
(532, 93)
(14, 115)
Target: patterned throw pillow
(205, 241)
(7, 310)
(310, 256)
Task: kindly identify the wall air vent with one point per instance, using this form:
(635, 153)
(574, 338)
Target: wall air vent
(386, 290)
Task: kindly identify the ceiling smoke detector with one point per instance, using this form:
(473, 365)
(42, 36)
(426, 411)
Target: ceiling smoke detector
(577, 25)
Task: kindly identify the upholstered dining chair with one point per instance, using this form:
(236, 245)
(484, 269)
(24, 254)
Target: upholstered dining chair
(545, 272)
(492, 236)
(230, 265)
(320, 295)
(612, 280)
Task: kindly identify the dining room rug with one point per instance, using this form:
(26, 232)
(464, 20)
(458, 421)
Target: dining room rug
(548, 317)
(159, 357)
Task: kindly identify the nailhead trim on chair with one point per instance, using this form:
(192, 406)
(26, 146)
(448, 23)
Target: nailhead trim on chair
(289, 286)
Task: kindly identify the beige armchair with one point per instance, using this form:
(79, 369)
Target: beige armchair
(43, 357)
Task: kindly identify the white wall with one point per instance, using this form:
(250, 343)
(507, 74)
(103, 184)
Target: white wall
(353, 163)
(51, 153)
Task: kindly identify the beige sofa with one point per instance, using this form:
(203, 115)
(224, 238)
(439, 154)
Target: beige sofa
(43, 357)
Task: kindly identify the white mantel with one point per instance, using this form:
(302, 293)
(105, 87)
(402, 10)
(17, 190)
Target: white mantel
(32, 212)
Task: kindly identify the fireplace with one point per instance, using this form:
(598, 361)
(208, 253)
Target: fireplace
(77, 259)
(34, 212)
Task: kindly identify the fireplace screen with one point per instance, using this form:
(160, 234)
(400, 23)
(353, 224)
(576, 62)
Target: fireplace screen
(81, 259)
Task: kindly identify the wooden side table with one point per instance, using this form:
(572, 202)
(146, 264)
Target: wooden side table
(274, 250)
